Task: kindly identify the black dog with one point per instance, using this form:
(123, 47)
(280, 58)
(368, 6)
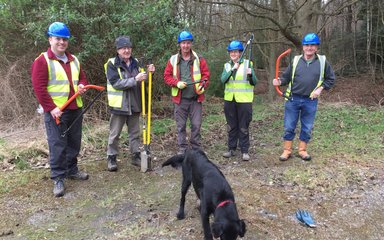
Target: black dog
(215, 194)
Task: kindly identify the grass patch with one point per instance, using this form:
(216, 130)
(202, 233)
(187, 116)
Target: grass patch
(353, 130)
(10, 181)
(22, 158)
(162, 126)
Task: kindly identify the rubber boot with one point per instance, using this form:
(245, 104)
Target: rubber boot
(303, 151)
(287, 151)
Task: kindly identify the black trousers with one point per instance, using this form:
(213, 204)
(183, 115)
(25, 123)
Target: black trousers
(238, 116)
(63, 151)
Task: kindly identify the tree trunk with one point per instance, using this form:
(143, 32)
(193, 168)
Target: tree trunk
(272, 57)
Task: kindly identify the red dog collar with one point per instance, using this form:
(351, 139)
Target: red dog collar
(223, 203)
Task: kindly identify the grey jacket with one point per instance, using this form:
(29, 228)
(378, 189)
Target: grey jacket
(131, 88)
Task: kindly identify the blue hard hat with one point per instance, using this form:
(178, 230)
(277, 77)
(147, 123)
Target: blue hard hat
(235, 45)
(183, 36)
(311, 38)
(58, 29)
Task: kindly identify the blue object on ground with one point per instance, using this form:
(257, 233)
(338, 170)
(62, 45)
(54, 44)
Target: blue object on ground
(298, 216)
(306, 218)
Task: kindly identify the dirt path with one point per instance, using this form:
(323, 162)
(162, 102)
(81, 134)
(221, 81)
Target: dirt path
(132, 205)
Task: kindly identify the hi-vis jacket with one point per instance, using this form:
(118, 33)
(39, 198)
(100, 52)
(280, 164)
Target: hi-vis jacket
(58, 84)
(124, 93)
(54, 81)
(199, 71)
(304, 77)
(240, 86)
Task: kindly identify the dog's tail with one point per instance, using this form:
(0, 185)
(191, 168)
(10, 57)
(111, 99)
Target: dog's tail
(174, 161)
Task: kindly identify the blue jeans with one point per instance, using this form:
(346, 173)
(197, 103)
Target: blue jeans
(303, 108)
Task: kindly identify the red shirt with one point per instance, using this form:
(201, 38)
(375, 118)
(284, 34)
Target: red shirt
(40, 78)
(172, 82)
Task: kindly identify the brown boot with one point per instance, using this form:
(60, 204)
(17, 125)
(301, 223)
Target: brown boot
(287, 151)
(303, 151)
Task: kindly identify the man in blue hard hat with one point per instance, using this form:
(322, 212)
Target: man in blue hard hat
(239, 79)
(188, 75)
(306, 77)
(56, 76)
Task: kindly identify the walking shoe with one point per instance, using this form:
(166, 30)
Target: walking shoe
(58, 187)
(112, 165)
(136, 159)
(229, 154)
(79, 176)
(246, 157)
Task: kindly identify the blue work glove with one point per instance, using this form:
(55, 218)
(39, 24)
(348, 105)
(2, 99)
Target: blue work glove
(306, 218)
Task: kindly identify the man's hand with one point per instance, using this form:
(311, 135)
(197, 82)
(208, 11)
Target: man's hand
(201, 88)
(56, 113)
(151, 68)
(141, 76)
(316, 93)
(181, 85)
(81, 89)
(276, 82)
(235, 66)
(249, 71)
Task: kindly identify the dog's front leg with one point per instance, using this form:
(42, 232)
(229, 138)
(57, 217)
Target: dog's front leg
(205, 220)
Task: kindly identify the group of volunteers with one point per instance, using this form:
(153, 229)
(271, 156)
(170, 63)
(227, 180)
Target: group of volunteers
(57, 75)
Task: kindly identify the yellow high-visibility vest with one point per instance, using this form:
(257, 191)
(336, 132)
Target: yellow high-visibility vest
(115, 96)
(196, 71)
(239, 88)
(58, 84)
(296, 59)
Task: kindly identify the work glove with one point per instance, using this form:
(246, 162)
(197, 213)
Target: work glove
(235, 66)
(200, 90)
(276, 82)
(316, 93)
(305, 217)
(141, 76)
(81, 89)
(181, 85)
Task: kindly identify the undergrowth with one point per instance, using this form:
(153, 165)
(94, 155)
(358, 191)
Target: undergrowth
(348, 132)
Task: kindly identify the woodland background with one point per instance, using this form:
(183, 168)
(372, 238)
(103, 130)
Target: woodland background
(351, 32)
(342, 186)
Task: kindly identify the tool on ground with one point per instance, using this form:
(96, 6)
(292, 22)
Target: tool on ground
(283, 94)
(305, 218)
(99, 88)
(146, 158)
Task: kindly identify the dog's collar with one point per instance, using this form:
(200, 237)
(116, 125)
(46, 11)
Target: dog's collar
(223, 203)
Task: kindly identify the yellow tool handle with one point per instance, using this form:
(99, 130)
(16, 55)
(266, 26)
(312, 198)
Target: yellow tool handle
(143, 111)
(149, 107)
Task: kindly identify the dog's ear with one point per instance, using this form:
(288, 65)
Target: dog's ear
(217, 229)
(243, 228)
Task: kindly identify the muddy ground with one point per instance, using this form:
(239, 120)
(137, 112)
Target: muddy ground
(344, 194)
